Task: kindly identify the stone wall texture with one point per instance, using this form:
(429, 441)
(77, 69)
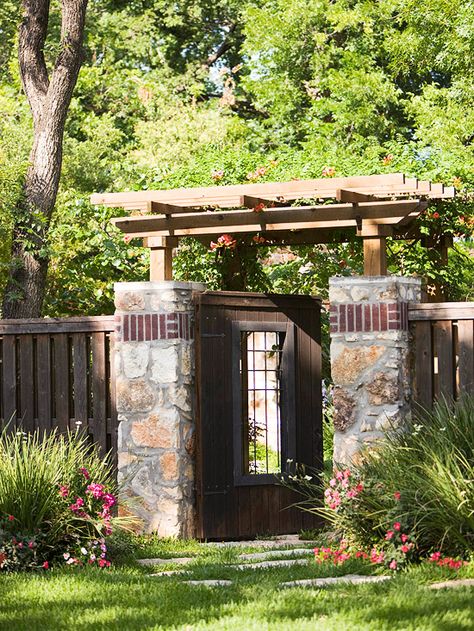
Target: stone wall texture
(369, 358)
(154, 367)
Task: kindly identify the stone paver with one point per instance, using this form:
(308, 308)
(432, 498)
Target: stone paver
(171, 573)
(159, 561)
(266, 564)
(461, 582)
(271, 554)
(277, 542)
(209, 583)
(352, 579)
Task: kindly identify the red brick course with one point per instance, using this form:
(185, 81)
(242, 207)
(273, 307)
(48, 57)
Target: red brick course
(153, 326)
(358, 318)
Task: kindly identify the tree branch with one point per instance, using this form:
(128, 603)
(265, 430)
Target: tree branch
(223, 47)
(32, 36)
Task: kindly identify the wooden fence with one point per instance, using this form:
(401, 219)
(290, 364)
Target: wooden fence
(443, 354)
(56, 373)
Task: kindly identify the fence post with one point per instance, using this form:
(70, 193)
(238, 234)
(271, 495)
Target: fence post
(369, 358)
(154, 368)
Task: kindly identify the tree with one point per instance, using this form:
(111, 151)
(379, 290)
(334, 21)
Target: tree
(49, 94)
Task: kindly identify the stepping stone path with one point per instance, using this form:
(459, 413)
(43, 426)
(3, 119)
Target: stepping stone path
(209, 583)
(172, 573)
(352, 579)
(266, 564)
(269, 554)
(178, 561)
(462, 582)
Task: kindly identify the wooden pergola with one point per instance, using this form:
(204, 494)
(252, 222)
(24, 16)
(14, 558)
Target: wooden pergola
(372, 207)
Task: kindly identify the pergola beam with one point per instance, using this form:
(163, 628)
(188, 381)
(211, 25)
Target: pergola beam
(327, 216)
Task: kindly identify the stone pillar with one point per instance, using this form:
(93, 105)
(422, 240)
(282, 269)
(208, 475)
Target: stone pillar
(154, 368)
(369, 358)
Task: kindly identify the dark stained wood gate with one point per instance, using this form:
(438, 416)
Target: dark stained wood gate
(258, 365)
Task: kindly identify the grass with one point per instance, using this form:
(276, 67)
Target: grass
(125, 598)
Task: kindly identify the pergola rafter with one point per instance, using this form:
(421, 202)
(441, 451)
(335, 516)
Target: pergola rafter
(371, 207)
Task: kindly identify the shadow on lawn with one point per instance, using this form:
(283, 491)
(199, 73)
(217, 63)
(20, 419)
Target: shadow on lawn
(92, 600)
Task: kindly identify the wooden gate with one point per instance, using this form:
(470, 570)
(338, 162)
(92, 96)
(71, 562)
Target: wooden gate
(258, 364)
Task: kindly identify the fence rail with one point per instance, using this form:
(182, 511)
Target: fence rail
(444, 354)
(56, 373)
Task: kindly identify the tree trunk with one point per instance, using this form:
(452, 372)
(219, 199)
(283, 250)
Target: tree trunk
(49, 102)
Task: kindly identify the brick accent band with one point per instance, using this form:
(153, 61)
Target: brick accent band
(145, 327)
(369, 317)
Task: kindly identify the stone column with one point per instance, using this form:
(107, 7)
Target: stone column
(154, 368)
(369, 358)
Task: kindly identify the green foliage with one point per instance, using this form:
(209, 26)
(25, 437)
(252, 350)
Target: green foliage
(421, 478)
(40, 477)
(363, 86)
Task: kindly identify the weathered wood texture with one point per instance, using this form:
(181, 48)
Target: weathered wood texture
(444, 352)
(227, 507)
(56, 373)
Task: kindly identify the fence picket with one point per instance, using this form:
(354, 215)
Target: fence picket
(443, 332)
(9, 378)
(466, 355)
(43, 371)
(27, 400)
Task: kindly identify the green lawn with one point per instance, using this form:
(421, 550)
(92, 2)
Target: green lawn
(125, 598)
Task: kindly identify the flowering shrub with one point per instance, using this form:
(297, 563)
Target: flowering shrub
(409, 496)
(56, 502)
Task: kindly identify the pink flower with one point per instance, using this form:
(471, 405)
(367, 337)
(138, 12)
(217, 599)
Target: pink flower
(404, 538)
(45, 565)
(31, 545)
(405, 548)
(63, 491)
(20, 545)
(332, 482)
(96, 490)
(397, 495)
(376, 557)
(339, 475)
(85, 473)
(328, 172)
(109, 500)
(435, 556)
(393, 565)
(397, 525)
(389, 535)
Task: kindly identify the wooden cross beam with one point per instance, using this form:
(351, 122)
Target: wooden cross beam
(326, 216)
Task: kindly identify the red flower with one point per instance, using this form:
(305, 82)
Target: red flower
(404, 538)
(2, 558)
(11, 518)
(435, 215)
(389, 535)
(45, 565)
(397, 525)
(405, 548)
(397, 495)
(85, 473)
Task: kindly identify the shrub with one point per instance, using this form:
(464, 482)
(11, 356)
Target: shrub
(56, 497)
(421, 479)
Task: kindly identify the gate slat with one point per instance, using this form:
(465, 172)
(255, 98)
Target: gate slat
(61, 379)
(423, 364)
(27, 392)
(9, 378)
(466, 355)
(99, 391)
(80, 380)
(43, 379)
(443, 336)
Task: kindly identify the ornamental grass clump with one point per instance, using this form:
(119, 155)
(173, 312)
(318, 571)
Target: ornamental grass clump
(412, 495)
(56, 501)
